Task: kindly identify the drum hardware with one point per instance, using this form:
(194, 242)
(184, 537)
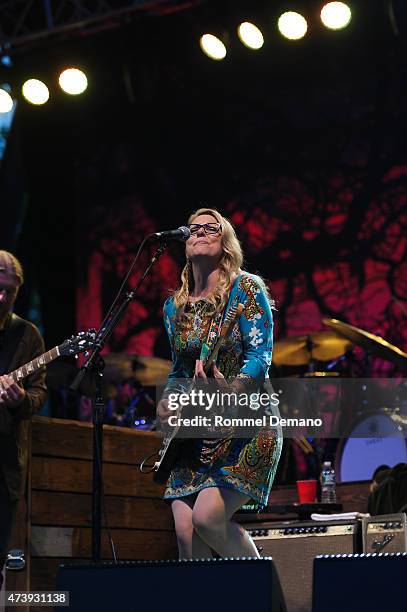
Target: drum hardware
(138, 414)
(369, 342)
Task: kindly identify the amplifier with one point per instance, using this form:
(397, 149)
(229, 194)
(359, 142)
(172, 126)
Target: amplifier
(384, 533)
(293, 547)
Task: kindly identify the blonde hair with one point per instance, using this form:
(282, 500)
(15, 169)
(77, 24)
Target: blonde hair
(10, 265)
(229, 265)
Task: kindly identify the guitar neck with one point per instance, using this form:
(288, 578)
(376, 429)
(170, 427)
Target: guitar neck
(213, 354)
(225, 333)
(35, 364)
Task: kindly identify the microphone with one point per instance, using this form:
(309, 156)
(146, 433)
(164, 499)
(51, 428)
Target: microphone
(182, 233)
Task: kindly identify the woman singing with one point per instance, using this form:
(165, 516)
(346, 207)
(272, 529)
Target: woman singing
(216, 477)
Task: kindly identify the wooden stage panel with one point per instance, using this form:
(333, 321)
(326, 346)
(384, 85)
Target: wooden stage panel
(65, 438)
(75, 475)
(61, 501)
(75, 542)
(55, 508)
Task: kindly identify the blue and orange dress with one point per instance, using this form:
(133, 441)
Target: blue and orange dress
(247, 465)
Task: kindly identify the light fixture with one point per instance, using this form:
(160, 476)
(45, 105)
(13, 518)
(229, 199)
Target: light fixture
(292, 25)
(212, 46)
(73, 81)
(336, 15)
(35, 92)
(250, 35)
(6, 101)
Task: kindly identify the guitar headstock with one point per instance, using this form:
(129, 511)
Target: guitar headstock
(83, 341)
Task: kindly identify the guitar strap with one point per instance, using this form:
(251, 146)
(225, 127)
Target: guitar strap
(212, 335)
(215, 328)
(10, 338)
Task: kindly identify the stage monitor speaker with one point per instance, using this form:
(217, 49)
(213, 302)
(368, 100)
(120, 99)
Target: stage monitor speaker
(293, 547)
(155, 586)
(384, 533)
(360, 583)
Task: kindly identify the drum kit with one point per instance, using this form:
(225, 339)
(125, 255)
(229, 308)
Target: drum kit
(378, 434)
(131, 382)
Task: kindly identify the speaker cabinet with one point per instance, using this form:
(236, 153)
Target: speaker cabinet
(385, 533)
(360, 583)
(201, 585)
(293, 548)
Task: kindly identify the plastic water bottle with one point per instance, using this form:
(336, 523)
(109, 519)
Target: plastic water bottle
(328, 484)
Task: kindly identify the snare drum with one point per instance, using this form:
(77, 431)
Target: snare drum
(377, 438)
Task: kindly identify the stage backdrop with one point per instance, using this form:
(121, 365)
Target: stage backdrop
(302, 145)
(304, 152)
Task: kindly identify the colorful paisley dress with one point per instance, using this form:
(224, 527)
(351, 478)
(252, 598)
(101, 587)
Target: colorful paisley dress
(247, 465)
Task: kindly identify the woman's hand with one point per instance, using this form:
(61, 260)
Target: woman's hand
(215, 372)
(220, 379)
(199, 371)
(163, 412)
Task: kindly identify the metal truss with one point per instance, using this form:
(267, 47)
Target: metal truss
(25, 22)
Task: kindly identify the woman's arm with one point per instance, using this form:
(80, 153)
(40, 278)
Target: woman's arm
(256, 328)
(177, 374)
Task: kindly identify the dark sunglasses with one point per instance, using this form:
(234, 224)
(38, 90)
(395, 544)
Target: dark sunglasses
(209, 228)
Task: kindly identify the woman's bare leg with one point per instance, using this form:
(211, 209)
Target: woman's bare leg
(190, 545)
(211, 519)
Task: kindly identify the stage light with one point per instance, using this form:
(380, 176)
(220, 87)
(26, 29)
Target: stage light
(6, 101)
(5, 60)
(336, 15)
(35, 92)
(250, 35)
(292, 25)
(73, 81)
(212, 46)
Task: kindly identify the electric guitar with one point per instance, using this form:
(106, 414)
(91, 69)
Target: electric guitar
(170, 447)
(74, 345)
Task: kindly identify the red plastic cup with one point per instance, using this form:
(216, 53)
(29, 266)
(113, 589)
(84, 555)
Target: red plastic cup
(307, 491)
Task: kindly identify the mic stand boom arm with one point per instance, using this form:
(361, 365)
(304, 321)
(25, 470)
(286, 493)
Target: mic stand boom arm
(95, 366)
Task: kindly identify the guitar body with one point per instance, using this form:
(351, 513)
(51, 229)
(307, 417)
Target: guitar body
(172, 446)
(164, 467)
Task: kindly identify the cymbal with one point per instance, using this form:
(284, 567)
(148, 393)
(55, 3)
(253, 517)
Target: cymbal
(370, 342)
(300, 350)
(320, 375)
(148, 371)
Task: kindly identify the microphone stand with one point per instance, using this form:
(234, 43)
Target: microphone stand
(95, 366)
